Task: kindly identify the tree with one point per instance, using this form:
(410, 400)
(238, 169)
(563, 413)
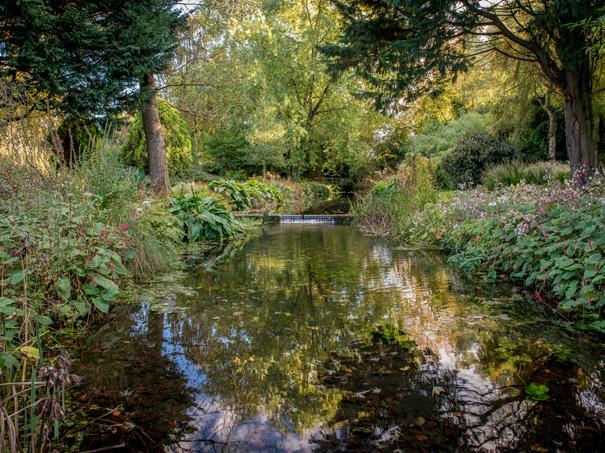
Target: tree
(88, 59)
(405, 46)
(263, 76)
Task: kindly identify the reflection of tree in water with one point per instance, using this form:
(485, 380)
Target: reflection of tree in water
(130, 393)
(278, 340)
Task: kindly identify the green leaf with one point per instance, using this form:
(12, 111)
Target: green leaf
(538, 392)
(16, 277)
(91, 290)
(571, 290)
(106, 283)
(64, 288)
(8, 360)
(44, 320)
(101, 305)
(5, 301)
(30, 352)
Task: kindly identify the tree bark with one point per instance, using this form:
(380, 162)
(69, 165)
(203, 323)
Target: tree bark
(552, 125)
(156, 146)
(581, 145)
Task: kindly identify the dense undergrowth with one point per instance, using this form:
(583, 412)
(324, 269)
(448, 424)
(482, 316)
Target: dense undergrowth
(546, 236)
(71, 242)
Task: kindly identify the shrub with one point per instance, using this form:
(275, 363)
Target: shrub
(558, 251)
(547, 238)
(512, 173)
(75, 138)
(227, 150)
(204, 218)
(390, 205)
(235, 191)
(441, 138)
(465, 164)
(176, 136)
(264, 195)
(252, 194)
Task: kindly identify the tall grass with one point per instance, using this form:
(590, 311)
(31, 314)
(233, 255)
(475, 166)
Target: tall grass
(512, 173)
(389, 208)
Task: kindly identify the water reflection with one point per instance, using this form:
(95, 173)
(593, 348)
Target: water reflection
(276, 352)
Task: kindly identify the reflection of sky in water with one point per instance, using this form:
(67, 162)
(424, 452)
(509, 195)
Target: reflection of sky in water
(216, 424)
(420, 301)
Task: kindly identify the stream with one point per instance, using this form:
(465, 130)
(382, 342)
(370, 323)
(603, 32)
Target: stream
(316, 337)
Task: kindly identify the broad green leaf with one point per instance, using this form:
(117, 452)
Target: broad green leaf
(64, 288)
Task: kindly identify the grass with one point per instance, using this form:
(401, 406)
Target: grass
(515, 172)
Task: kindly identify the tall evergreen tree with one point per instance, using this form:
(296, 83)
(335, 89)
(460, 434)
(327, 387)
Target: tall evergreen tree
(92, 59)
(404, 46)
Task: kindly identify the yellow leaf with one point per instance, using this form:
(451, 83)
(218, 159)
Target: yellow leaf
(30, 352)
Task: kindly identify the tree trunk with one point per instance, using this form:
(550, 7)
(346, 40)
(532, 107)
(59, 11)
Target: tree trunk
(581, 145)
(552, 135)
(552, 125)
(156, 147)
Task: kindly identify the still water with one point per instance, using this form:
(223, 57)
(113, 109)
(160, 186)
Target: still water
(315, 337)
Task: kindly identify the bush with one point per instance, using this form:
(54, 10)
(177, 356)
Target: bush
(252, 194)
(512, 173)
(316, 191)
(546, 237)
(465, 164)
(227, 150)
(559, 251)
(441, 138)
(176, 136)
(263, 195)
(390, 205)
(235, 191)
(204, 218)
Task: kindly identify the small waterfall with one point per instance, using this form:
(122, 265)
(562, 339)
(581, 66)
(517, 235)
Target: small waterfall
(312, 219)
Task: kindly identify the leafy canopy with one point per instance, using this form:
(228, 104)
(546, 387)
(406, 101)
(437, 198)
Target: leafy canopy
(86, 58)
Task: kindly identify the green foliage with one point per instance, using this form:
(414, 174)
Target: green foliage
(316, 191)
(514, 172)
(235, 191)
(60, 253)
(264, 99)
(537, 392)
(560, 251)
(252, 194)
(87, 59)
(176, 137)
(264, 195)
(438, 139)
(226, 149)
(465, 164)
(204, 218)
(390, 205)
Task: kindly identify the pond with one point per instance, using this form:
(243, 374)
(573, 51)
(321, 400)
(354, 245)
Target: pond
(317, 337)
